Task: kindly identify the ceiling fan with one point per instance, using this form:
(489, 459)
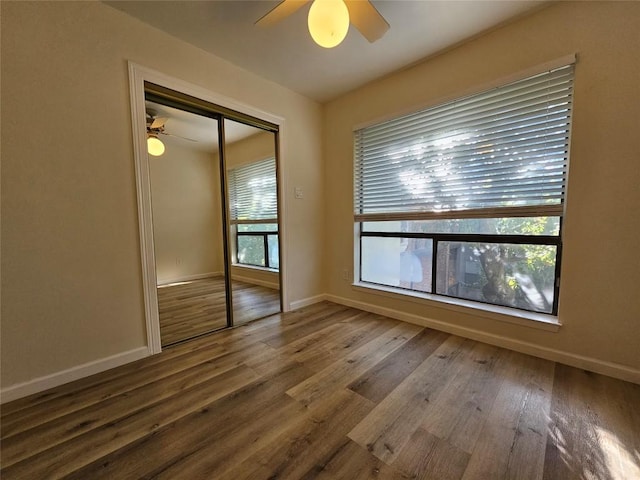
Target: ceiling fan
(329, 20)
(155, 128)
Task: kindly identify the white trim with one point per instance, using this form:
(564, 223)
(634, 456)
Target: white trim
(145, 223)
(255, 281)
(189, 278)
(283, 230)
(529, 72)
(197, 91)
(539, 321)
(137, 76)
(305, 302)
(611, 369)
(69, 375)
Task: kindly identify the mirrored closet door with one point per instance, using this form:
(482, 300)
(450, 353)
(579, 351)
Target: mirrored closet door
(214, 202)
(252, 199)
(187, 223)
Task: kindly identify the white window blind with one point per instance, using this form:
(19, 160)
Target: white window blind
(253, 192)
(502, 153)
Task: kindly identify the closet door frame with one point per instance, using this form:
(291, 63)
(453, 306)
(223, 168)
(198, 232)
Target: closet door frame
(142, 79)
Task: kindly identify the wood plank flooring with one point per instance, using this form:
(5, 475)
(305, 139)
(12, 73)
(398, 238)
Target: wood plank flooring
(190, 309)
(328, 392)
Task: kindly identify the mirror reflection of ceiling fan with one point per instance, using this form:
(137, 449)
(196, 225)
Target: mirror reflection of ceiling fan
(329, 20)
(155, 128)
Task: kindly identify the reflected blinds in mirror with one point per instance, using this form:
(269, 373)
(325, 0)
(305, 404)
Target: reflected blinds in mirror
(253, 192)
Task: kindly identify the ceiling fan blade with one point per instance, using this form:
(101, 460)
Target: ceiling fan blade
(280, 12)
(367, 19)
(158, 122)
(178, 136)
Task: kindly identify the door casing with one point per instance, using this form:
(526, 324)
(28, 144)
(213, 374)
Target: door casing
(137, 77)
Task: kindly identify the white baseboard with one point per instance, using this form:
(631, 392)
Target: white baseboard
(189, 278)
(41, 384)
(255, 281)
(610, 369)
(305, 302)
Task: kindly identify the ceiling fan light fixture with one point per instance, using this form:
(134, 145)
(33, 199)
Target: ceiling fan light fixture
(155, 146)
(328, 22)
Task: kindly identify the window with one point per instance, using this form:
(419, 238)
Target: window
(253, 208)
(466, 199)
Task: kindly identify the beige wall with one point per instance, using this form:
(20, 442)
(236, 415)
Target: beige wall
(71, 274)
(256, 276)
(185, 199)
(259, 146)
(599, 301)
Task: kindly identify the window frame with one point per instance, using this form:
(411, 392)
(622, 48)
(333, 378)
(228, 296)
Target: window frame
(265, 242)
(550, 240)
(555, 241)
(258, 220)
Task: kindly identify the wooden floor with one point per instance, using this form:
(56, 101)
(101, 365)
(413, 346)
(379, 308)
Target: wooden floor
(329, 392)
(190, 309)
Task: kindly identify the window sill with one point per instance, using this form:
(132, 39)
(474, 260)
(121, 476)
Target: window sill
(254, 267)
(494, 312)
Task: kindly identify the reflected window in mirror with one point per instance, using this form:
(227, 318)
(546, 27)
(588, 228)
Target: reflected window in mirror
(253, 208)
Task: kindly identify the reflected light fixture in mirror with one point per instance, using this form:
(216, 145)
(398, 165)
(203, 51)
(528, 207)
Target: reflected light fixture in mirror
(328, 22)
(155, 146)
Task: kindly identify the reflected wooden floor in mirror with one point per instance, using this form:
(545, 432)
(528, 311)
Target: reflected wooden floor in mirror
(190, 309)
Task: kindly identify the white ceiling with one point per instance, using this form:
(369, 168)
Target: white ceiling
(286, 54)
